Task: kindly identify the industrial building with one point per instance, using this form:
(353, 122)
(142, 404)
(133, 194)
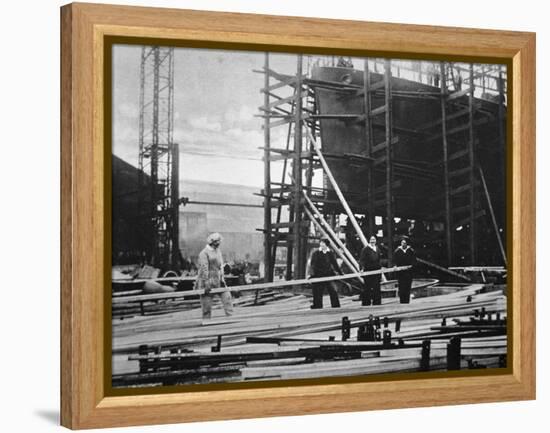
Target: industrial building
(441, 179)
(370, 147)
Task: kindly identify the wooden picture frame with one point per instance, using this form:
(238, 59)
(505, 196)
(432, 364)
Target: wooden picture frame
(86, 218)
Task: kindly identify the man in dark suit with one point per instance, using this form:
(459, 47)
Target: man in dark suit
(323, 264)
(369, 260)
(404, 255)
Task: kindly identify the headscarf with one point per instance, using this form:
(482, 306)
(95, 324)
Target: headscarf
(213, 237)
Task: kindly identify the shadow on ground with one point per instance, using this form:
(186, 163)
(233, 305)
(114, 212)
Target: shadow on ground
(49, 415)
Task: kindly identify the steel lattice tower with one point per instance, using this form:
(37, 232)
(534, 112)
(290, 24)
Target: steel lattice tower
(158, 159)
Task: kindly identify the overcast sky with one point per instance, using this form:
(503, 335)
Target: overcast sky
(216, 96)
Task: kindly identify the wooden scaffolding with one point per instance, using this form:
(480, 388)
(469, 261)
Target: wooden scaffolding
(294, 210)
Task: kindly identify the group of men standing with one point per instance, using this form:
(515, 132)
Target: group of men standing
(323, 264)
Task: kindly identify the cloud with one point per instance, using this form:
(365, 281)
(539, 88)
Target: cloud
(205, 123)
(243, 115)
(238, 143)
(126, 142)
(220, 135)
(127, 110)
(216, 169)
(216, 98)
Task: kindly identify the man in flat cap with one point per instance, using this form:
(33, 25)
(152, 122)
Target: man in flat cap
(210, 276)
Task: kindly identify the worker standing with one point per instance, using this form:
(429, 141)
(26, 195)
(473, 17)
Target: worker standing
(210, 276)
(404, 255)
(369, 260)
(323, 264)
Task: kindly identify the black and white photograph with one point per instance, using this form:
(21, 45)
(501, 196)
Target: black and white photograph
(283, 216)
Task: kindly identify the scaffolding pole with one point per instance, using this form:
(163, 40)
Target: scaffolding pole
(501, 123)
(280, 198)
(333, 244)
(471, 155)
(389, 174)
(369, 144)
(326, 227)
(386, 173)
(445, 163)
(493, 218)
(298, 256)
(268, 260)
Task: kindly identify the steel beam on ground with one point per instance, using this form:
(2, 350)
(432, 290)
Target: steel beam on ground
(258, 286)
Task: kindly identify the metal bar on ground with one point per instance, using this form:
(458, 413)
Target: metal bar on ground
(442, 269)
(257, 286)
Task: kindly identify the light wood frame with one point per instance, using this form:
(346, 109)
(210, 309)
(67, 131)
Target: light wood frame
(83, 221)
